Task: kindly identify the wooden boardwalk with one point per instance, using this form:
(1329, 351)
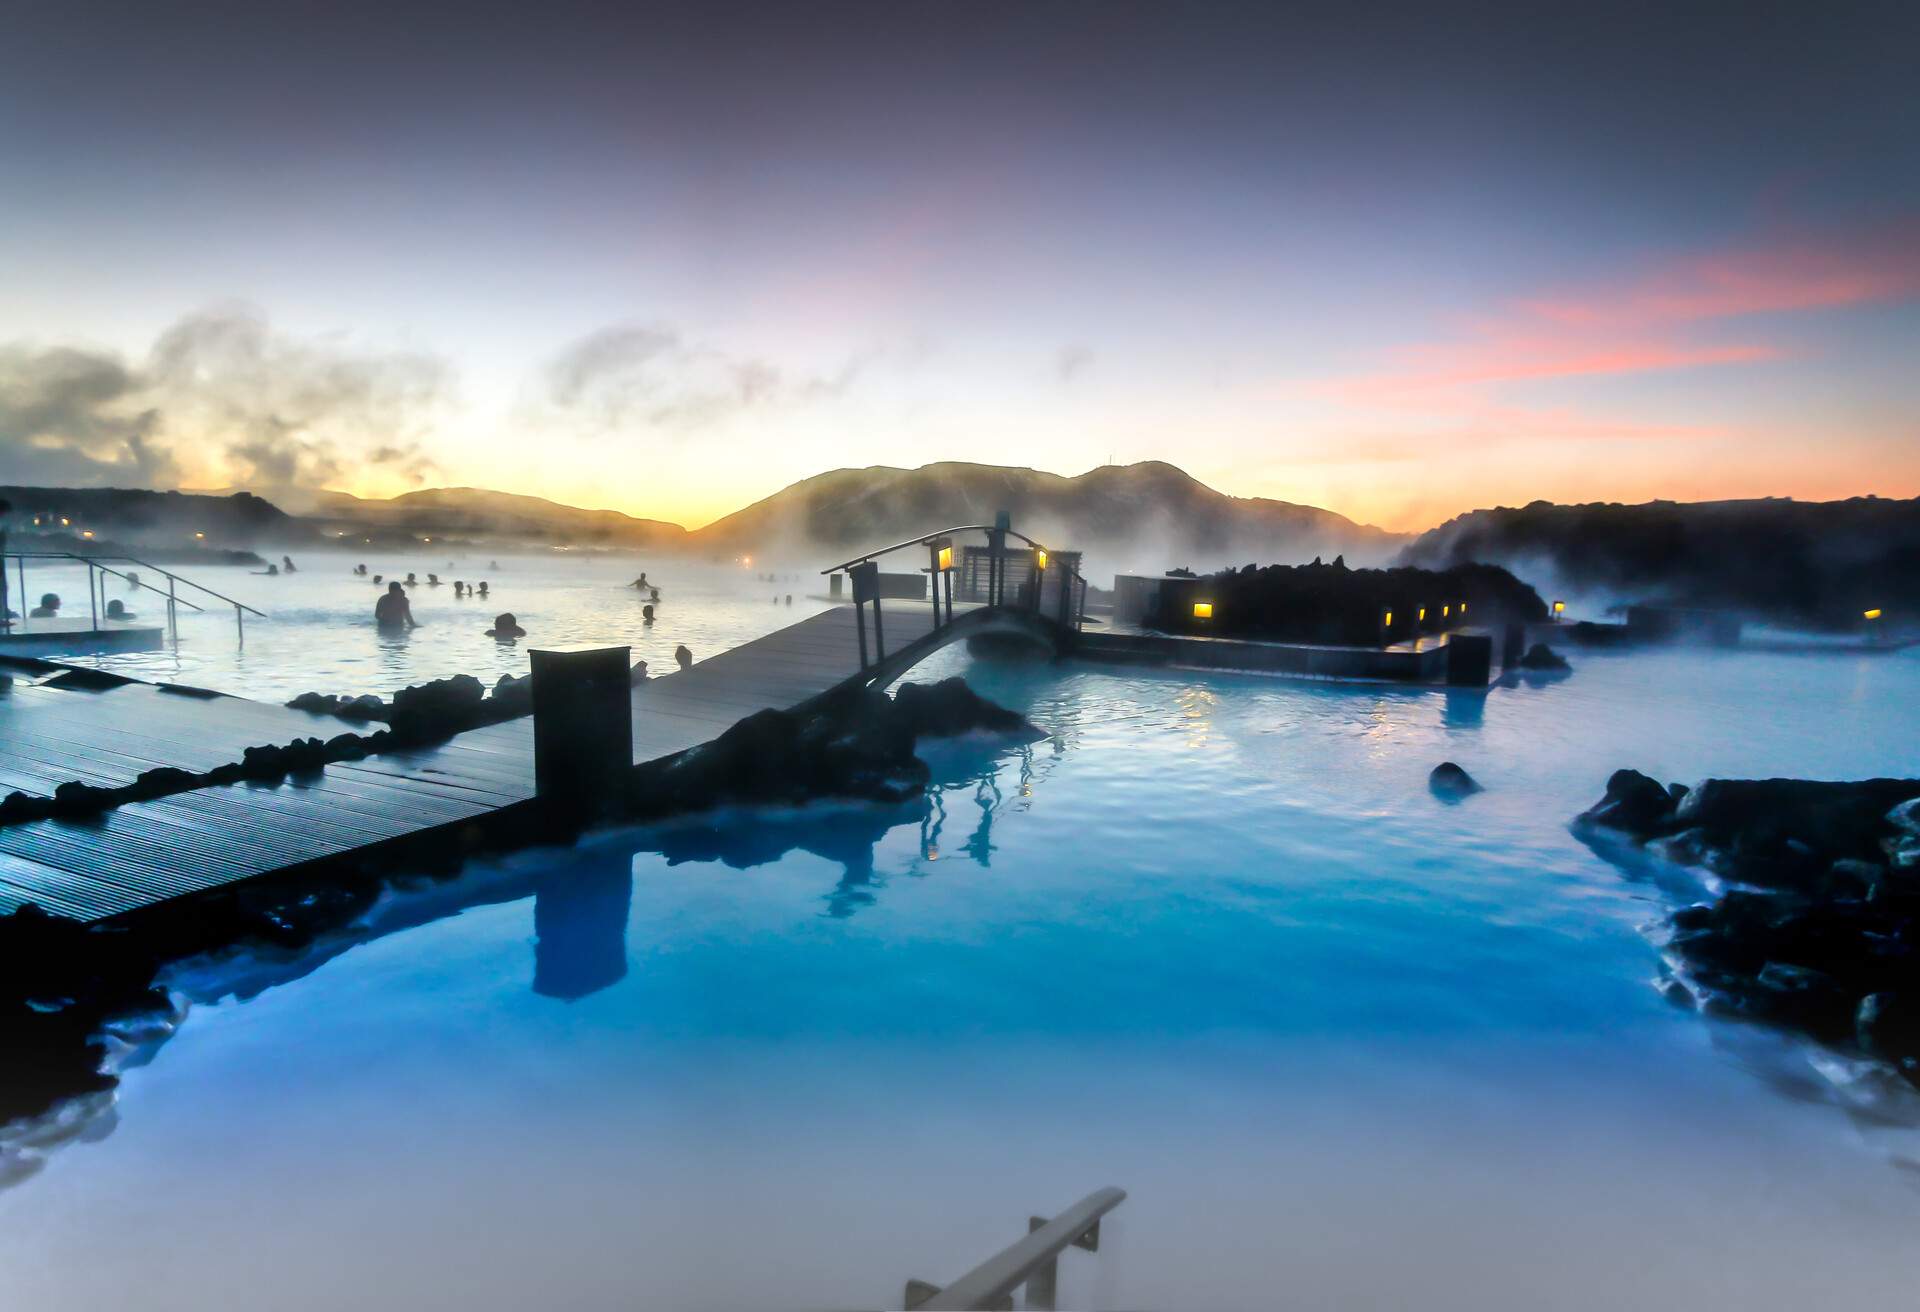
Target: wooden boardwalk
(145, 853)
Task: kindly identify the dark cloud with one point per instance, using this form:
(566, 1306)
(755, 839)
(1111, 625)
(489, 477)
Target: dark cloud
(221, 392)
(652, 375)
(74, 418)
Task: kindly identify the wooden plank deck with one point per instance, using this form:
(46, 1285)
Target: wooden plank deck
(146, 853)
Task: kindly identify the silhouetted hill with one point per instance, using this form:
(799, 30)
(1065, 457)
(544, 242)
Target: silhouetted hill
(1147, 516)
(1789, 562)
(154, 519)
(476, 514)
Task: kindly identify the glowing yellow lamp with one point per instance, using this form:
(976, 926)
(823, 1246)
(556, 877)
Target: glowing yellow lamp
(1463, 608)
(200, 535)
(1446, 610)
(1203, 610)
(946, 558)
(1873, 614)
(1388, 621)
(86, 532)
(1039, 558)
(1422, 616)
(1559, 607)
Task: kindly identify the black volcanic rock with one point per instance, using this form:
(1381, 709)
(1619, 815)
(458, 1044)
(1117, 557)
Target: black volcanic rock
(1815, 564)
(1451, 783)
(1543, 659)
(1821, 930)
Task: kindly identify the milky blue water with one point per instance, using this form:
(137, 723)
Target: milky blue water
(317, 632)
(1212, 941)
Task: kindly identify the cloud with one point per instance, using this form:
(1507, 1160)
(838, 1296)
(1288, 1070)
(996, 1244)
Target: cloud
(224, 398)
(654, 376)
(71, 416)
(1672, 316)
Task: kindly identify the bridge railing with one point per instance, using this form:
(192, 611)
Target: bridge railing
(96, 587)
(1070, 592)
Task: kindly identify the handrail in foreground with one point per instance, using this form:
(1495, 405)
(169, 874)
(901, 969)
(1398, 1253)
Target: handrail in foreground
(93, 562)
(1033, 1261)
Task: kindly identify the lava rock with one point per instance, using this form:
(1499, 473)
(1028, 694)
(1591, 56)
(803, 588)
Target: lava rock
(1887, 1025)
(1634, 803)
(1451, 783)
(950, 707)
(1543, 658)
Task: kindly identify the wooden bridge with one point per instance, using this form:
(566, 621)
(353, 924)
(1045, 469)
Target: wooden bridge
(58, 724)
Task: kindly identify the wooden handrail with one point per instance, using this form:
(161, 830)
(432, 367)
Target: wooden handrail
(928, 537)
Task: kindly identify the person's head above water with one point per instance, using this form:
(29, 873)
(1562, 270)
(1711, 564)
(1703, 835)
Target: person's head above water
(395, 590)
(506, 626)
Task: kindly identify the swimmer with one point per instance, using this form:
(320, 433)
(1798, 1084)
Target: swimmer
(117, 610)
(433, 580)
(506, 628)
(646, 614)
(411, 580)
(393, 610)
(682, 655)
(48, 608)
(483, 587)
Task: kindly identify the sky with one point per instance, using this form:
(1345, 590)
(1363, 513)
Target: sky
(1400, 261)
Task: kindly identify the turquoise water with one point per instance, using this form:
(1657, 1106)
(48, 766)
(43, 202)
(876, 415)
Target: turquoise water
(1212, 941)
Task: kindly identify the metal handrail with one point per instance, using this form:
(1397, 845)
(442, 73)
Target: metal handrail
(139, 582)
(240, 608)
(1033, 1259)
(143, 564)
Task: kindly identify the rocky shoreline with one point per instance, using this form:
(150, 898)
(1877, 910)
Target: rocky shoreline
(1817, 923)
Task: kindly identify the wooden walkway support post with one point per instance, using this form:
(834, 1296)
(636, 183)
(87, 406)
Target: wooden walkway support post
(866, 588)
(582, 724)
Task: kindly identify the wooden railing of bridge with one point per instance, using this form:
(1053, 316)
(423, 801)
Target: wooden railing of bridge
(1067, 611)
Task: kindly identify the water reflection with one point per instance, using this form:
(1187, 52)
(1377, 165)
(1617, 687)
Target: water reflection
(581, 906)
(580, 930)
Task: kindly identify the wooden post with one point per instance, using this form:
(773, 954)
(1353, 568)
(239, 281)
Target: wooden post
(866, 588)
(1469, 659)
(582, 724)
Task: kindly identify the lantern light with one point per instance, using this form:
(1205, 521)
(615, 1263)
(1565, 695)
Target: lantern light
(86, 532)
(1387, 623)
(1203, 610)
(1422, 616)
(1039, 557)
(946, 558)
(1559, 608)
(1446, 610)
(200, 537)
(1873, 614)
(1463, 610)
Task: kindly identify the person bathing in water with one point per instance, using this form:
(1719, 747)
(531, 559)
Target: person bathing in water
(411, 580)
(286, 565)
(117, 610)
(646, 614)
(682, 655)
(483, 587)
(393, 610)
(48, 608)
(640, 584)
(506, 628)
(271, 571)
